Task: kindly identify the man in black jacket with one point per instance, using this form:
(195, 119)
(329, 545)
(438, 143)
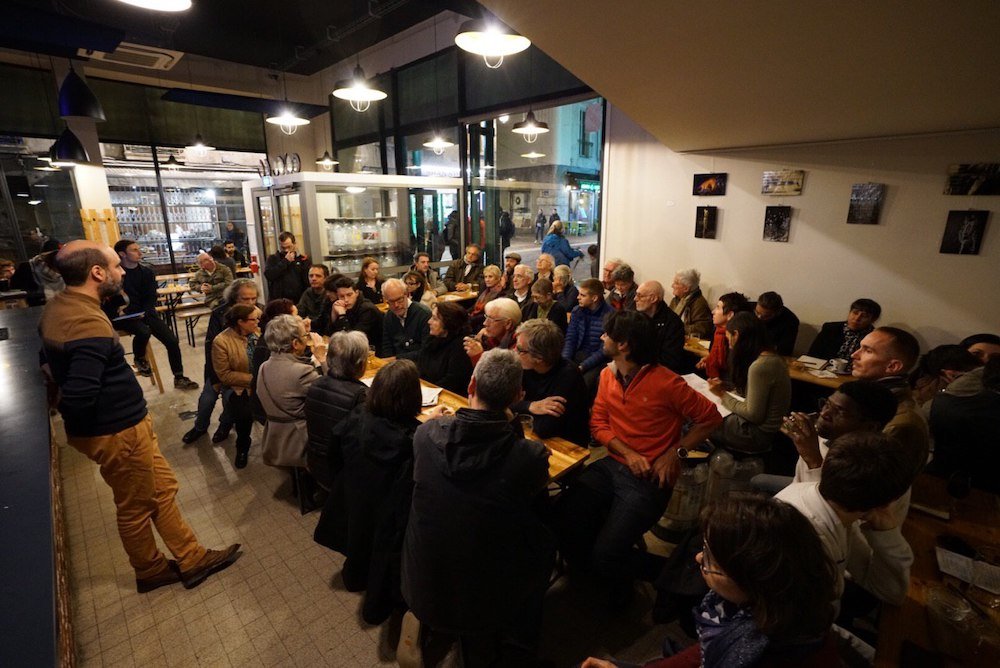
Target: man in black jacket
(669, 326)
(240, 291)
(405, 325)
(287, 271)
(839, 339)
(351, 311)
(475, 481)
(782, 325)
(139, 297)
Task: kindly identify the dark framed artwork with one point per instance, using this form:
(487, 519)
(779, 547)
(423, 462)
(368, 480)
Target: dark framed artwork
(709, 184)
(866, 203)
(981, 178)
(777, 223)
(782, 182)
(705, 222)
(963, 233)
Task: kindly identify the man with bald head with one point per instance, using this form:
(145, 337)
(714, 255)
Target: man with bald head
(669, 326)
(105, 417)
(211, 279)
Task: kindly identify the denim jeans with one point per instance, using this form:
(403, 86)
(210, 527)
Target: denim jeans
(206, 404)
(601, 516)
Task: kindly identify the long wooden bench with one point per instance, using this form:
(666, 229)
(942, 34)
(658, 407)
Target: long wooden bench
(190, 316)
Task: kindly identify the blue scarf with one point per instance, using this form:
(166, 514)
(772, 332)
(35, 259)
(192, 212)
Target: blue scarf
(727, 634)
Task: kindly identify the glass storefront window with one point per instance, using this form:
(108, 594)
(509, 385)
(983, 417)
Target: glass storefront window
(424, 161)
(362, 159)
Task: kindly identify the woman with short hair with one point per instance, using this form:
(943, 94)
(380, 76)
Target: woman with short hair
(232, 351)
(543, 305)
(493, 289)
(442, 359)
(502, 318)
(331, 398)
(366, 514)
(418, 288)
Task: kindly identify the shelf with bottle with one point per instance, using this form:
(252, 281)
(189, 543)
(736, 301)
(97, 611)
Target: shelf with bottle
(351, 264)
(360, 236)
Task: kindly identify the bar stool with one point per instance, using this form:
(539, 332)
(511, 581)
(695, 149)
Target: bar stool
(151, 358)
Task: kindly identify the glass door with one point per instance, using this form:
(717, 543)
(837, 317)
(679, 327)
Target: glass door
(425, 223)
(268, 225)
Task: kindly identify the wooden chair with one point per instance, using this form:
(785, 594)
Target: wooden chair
(151, 358)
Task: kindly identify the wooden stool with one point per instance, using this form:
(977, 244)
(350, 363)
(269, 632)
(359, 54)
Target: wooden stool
(151, 358)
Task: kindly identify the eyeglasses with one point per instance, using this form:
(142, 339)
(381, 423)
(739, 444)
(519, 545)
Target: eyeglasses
(706, 561)
(412, 283)
(524, 351)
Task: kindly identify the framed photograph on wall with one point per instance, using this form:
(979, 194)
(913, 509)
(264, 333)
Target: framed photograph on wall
(709, 184)
(981, 178)
(963, 233)
(519, 201)
(866, 203)
(705, 222)
(777, 223)
(782, 182)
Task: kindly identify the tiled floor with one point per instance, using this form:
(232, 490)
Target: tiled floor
(282, 603)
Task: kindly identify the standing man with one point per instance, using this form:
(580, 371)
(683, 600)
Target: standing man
(105, 417)
(669, 328)
(422, 263)
(507, 229)
(287, 271)
(540, 224)
(465, 273)
(139, 287)
(211, 279)
(405, 325)
(639, 414)
(313, 300)
(240, 291)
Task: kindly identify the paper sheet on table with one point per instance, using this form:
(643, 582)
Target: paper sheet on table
(811, 362)
(700, 385)
(429, 395)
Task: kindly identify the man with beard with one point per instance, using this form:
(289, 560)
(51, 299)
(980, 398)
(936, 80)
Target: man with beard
(105, 417)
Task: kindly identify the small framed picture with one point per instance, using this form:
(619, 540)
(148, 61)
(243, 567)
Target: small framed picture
(981, 178)
(777, 223)
(963, 233)
(866, 203)
(705, 222)
(782, 182)
(709, 184)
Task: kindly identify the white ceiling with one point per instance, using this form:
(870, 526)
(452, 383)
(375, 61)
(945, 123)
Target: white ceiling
(726, 74)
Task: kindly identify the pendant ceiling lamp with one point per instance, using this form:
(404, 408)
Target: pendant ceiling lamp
(326, 161)
(198, 146)
(437, 143)
(530, 127)
(172, 163)
(287, 120)
(490, 39)
(76, 100)
(160, 5)
(358, 91)
(67, 151)
(532, 155)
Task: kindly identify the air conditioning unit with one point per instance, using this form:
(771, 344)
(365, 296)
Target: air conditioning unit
(137, 55)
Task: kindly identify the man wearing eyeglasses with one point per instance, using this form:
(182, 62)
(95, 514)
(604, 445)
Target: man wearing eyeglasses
(405, 326)
(465, 273)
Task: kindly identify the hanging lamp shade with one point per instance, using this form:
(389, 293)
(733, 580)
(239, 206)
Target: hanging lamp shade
(67, 151)
(490, 39)
(532, 155)
(438, 144)
(77, 100)
(530, 127)
(326, 161)
(172, 163)
(288, 121)
(199, 146)
(160, 5)
(358, 91)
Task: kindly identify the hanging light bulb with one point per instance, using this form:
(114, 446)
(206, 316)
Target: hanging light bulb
(530, 127)
(532, 155)
(172, 163)
(355, 190)
(491, 40)
(357, 91)
(326, 161)
(288, 122)
(199, 147)
(438, 144)
(160, 5)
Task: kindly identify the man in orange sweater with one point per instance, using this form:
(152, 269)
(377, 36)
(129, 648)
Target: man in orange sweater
(640, 409)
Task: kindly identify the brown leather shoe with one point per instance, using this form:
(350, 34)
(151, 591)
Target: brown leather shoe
(165, 577)
(213, 562)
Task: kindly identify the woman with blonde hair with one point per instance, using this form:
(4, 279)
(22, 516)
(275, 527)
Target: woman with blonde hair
(493, 288)
(503, 315)
(556, 245)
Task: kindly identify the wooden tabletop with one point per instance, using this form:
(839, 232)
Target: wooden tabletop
(564, 456)
(173, 290)
(795, 370)
(975, 519)
(183, 276)
(458, 296)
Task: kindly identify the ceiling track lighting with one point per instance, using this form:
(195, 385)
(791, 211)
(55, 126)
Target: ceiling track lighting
(490, 39)
(160, 5)
(530, 127)
(358, 91)
(288, 121)
(76, 100)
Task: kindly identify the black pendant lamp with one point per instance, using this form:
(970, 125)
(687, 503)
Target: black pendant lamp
(68, 151)
(76, 100)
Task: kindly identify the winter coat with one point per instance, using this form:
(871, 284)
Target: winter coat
(328, 401)
(557, 246)
(282, 384)
(583, 336)
(442, 361)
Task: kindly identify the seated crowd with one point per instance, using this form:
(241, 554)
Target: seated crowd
(447, 514)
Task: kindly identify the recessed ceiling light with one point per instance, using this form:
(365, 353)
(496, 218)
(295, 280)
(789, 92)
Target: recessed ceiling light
(355, 190)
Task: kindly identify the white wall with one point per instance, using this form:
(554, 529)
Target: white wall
(649, 215)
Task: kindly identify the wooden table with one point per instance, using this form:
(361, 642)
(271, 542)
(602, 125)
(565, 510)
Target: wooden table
(564, 456)
(975, 519)
(458, 296)
(795, 370)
